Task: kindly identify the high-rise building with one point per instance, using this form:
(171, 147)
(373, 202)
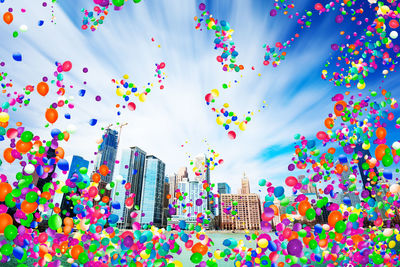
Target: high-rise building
(223, 188)
(248, 210)
(152, 196)
(75, 176)
(364, 173)
(173, 185)
(200, 163)
(165, 201)
(245, 189)
(182, 173)
(132, 169)
(106, 156)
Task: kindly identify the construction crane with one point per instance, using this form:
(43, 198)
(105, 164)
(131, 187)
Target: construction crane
(120, 130)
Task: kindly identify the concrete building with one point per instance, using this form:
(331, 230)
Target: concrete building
(245, 189)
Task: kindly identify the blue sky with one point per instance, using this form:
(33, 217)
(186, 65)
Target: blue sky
(298, 99)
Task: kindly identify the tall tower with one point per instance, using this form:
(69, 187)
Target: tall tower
(153, 187)
(245, 189)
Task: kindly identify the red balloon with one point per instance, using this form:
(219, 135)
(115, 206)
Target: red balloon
(291, 181)
(67, 66)
(232, 135)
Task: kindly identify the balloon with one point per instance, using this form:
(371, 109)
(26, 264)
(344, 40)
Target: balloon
(17, 56)
(381, 133)
(55, 222)
(76, 251)
(26, 136)
(60, 152)
(31, 196)
(103, 170)
(340, 227)
(4, 117)
(83, 258)
(199, 248)
(131, 106)
(8, 17)
(5, 189)
(279, 191)
(380, 151)
(118, 3)
(42, 88)
(27, 207)
(67, 66)
(196, 258)
(23, 147)
(5, 220)
(310, 214)
(51, 115)
(334, 217)
(96, 177)
(303, 207)
(295, 247)
(66, 135)
(232, 135)
(291, 181)
(10, 232)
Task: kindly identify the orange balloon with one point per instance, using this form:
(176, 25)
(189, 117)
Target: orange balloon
(5, 189)
(64, 247)
(23, 147)
(51, 115)
(8, 17)
(329, 123)
(67, 229)
(46, 195)
(103, 170)
(96, 177)
(303, 207)
(42, 88)
(381, 133)
(60, 152)
(66, 135)
(199, 248)
(7, 155)
(28, 207)
(105, 199)
(339, 168)
(331, 150)
(68, 221)
(334, 217)
(4, 124)
(5, 220)
(380, 151)
(339, 107)
(75, 251)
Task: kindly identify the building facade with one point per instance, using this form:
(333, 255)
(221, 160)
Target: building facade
(152, 195)
(223, 188)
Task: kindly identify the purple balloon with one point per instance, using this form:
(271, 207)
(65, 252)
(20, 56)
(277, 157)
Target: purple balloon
(295, 247)
(339, 19)
(104, 3)
(273, 13)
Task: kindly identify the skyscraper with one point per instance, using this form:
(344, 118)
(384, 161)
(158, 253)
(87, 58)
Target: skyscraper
(182, 173)
(106, 156)
(200, 163)
(165, 201)
(224, 188)
(132, 171)
(76, 164)
(173, 183)
(152, 197)
(245, 189)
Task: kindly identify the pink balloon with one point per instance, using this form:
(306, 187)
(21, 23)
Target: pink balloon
(131, 106)
(291, 181)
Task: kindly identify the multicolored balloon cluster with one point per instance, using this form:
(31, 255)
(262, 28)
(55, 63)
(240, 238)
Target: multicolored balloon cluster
(128, 90)
(223, 39)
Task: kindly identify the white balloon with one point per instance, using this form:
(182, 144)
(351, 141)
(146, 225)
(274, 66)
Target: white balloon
(23, 28)
(29, 169)
(71, 129)
(393, 34)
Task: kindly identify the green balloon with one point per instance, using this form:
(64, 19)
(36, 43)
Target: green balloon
(55, 222)
(10, 232)
(10, 200)
(136, 1)
(118, 2)
(83, 257)
(310, 214)
(196, 258)
(26, 136)
(313, 244)
(340, 227)
(353, 217)
(6, 249)
(31, 196)
(387, 160)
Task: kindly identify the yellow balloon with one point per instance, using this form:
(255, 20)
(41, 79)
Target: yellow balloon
(360, 86)
(242, 126)
(48, 257)
(128, 92)
(392, 244)
(144, 255)
(220, 120)
(178, 263)
(119, 92)
(217, 254)
(142, 97)
(263, 243)
(4, 117)
(226, 105)
(214, 92)
(126, 76)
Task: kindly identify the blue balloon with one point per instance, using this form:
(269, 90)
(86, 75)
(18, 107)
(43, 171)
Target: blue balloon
(279, 191)
(63, 165)
(82, 92)
(342, 159)
(185, 237)
(226, 243)
(310, 143)
(272, 246)
(388, 175)
(39, 170)
(113, 219)
(17, 56)
(67, 116)
(92, 122)
(40, 23)
(182, 224)
(347, 201)
(55, 132)
(18, 252)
